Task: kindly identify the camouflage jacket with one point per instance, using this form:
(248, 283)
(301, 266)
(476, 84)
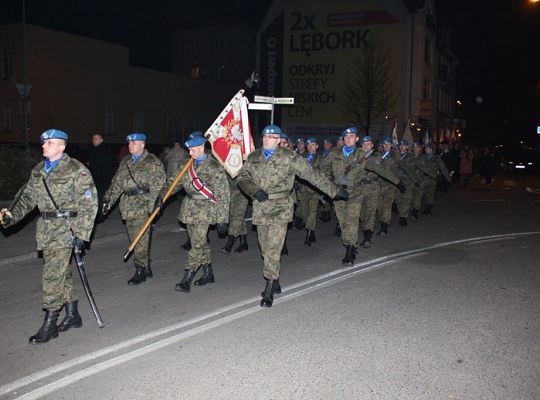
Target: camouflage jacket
(276, 177)
(72, 189)
(405, 171)
(390, 164)
(336, 166)
(174, 158)
(422, 170)
(195, 208)
(308, 189)
(434, 165)
(374, 159)
(147, 174)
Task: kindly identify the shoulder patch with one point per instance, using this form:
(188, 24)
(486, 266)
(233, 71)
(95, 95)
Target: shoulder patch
(84, 173)
(88, 193)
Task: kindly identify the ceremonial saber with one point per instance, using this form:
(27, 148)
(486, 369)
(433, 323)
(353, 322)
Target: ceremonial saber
(156, 211)
(86, 286)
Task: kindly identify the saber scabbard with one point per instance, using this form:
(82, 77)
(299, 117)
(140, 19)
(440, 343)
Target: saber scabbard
(86, 286)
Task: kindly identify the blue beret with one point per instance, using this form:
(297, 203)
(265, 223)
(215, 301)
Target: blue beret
(271, 130)
(430, 145)
(136, 136)
(418, 144)
(53, 134)
(367, 138)
(387, 139)
(195, 141)
(195, 134)
(352, 130)
(311, 140)
(283, 135)
(299, 140)
(328, 141)
(404, 142)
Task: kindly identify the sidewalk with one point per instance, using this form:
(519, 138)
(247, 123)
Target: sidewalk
(17, 243)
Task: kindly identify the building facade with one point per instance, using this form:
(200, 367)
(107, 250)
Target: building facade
(86, 86)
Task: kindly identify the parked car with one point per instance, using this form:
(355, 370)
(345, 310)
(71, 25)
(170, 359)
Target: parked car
(521, 160)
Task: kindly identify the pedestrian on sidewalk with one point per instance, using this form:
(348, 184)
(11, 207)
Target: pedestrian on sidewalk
(65, 195)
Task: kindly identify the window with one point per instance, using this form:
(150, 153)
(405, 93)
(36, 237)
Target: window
(427, 90)
(6, 63)
(7, 117)
(427, 50)
(194, 46)
(108, 121)
(219, 44)
(195, 72)
(138, 121)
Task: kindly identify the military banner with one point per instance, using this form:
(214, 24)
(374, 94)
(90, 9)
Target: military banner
(230, 135)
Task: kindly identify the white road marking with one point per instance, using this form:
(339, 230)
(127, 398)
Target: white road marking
(309, 286)
(492, 240)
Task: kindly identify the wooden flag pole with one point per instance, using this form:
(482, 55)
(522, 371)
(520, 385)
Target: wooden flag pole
(156, 211)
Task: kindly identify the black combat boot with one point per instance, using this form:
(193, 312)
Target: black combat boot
(307, 241)
(427, 211)
(207, 277)
(187, 245)
(228, 246)
(337, 231)
(185, 283)
(139, 277)
(284, 250)
(48, 330)
(268, 294)
(349, 255)
(277, 288)
(366, 243)
(414, 213)
(242, 245)
(148, 271)
(72, 318)
(382, 229)
(402, 222)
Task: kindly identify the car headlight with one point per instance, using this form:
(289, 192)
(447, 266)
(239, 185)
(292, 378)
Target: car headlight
(529, 163)
(510, 162)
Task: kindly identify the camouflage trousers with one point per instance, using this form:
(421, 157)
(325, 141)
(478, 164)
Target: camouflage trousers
(301, 204)
(200, 249)
(311, 201)
(429, 192)
(404, 202)
(384, 207)
(348, 216)
(417, 195)
(57, 279)
(369, 205)
(141, 253)
(271, 239)
(237, 214)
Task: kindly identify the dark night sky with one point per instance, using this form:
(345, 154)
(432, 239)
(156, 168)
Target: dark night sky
(497, 44)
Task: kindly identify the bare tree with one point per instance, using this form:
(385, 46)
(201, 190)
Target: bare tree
(369, 92)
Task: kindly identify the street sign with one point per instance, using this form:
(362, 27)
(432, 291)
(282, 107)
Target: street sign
(255, 106)
(24, 91)
(274, 100)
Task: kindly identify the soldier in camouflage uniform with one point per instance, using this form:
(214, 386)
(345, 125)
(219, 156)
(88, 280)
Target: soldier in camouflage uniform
(311, 195)
(64, 192)
(137, 183)
(237, 219)
(268, 177)
(388, 190)
(407, 176)
(434, 164)
(347, 166)
(206, 203)
(420, 171)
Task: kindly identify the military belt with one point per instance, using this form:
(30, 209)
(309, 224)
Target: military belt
(136, 192)
(197, 197)
(58, 214)
(278, 195)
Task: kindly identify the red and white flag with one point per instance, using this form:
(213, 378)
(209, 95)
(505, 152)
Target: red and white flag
(230, 135)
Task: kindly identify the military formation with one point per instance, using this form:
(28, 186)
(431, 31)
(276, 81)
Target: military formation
(288, 187)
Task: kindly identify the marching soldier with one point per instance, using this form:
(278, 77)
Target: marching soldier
(136, 183)
(64, 192)
(387, 190)
(420, 173)
(206, 203)
(407, 176)
(268, 177)
(237, 219)
(434, 164)
(311, 195)
(347, 166)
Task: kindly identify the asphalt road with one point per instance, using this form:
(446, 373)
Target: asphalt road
(447, 308)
